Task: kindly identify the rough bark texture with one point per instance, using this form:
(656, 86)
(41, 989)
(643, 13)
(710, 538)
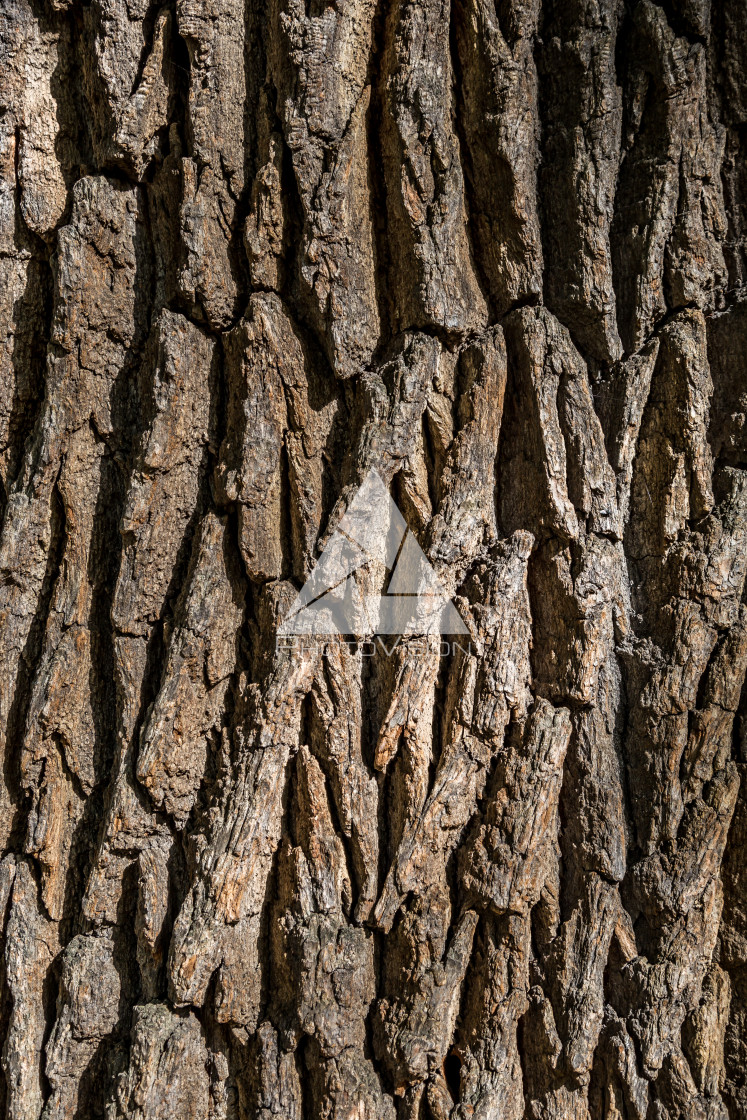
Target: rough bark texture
(496, 250)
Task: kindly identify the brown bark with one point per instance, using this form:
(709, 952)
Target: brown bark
(495, 251)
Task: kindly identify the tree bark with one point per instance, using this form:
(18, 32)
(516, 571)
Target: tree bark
(494, 251)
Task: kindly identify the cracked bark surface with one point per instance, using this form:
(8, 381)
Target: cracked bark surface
(495, 250)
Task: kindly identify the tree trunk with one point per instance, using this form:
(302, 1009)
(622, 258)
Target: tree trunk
(457, 286)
